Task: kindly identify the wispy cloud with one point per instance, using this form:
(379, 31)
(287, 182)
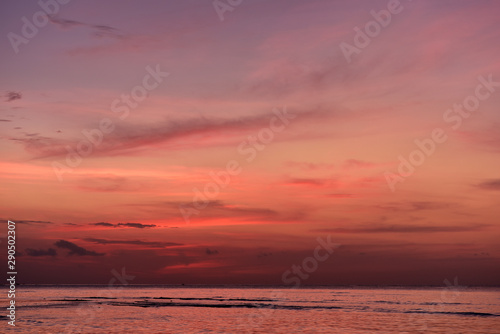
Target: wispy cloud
(219, 209)
(39, 145)
(309, 166)
(357, 164)
(12, 96)
(415, 206)
(313, 182)
(405, 229)
(128, 138)
(105, 184)
(341, 195)
(490, 185)
(153, 244)
(97, 30)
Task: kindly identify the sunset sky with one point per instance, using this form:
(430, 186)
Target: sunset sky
(118, 118)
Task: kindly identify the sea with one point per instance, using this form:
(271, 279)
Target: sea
(222, 309)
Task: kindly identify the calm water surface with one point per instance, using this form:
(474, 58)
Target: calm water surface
(151, 309)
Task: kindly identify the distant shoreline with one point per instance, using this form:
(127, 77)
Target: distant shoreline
(234, 286)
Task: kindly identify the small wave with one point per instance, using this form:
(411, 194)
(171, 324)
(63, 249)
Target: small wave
(474, 314)
(243, 305)
(219, 299)
(442, 303)
(387, 302)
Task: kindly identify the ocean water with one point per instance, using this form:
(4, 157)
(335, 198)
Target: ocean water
(167, 309)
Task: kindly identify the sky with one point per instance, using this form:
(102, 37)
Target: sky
(200, 142)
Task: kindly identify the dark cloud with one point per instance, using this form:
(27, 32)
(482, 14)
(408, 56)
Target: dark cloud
(12, 96)
(211, 251)
(264, 254)
(29, 222)
(135, 225)
(40, 252)
(5, 120)
(104, 224)
(132, 225)
(75, 249)
(490, 184)
(154, 244)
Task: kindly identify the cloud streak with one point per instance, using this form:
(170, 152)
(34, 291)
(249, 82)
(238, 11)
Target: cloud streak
(29, 222)
(97, 30)
(415, 206)
(404, 229)
(490, 185)
(131, 225)
(128, 138)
